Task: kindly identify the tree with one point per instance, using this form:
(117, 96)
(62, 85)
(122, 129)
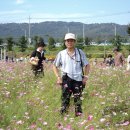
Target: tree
(41, 39)
(22, 44)
(117, 42)
(79, 40)
(79, 43)
(87, 40)
(1, 41)
(98, 40)
(124, 39)
(128, 30)
(10, 43)
(38, 39)
(51, 43)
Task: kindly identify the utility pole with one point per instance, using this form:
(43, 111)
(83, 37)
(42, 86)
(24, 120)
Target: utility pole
(105, 49)
(83, 34)
(4, 52)
(1, 53)
(3, 56)
(68, 30)
(29, 32)
(25, 34)
(115, 33)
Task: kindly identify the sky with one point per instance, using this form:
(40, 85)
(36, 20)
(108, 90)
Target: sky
(85, 11)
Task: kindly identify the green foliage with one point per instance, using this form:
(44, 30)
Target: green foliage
(90, 50)
(63, 46)
(1, 41)
(95, 55)
(10, 43)
(99, 39)
(117, 41)
(79, 40)
(22, 44)
(87, 40)
(128, 29)
(79, 45)
(51, 43)
(37, 39)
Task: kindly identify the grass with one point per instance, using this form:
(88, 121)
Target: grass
(33, 103)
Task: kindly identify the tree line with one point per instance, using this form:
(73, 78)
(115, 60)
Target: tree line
(23, 44)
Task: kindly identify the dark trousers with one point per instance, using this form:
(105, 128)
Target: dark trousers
(37, 70)
(70, 86)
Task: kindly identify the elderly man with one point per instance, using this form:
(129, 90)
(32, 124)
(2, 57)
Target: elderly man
(73, 64)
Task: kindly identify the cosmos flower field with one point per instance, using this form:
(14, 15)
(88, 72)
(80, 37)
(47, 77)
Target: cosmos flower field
(29, 103)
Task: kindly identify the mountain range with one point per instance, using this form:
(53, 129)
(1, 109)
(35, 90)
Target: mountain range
(58, 29)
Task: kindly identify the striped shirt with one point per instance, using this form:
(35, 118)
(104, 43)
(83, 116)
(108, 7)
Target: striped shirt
(71, 65)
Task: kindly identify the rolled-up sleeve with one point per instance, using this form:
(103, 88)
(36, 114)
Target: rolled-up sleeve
(84, 59)
(57, 61)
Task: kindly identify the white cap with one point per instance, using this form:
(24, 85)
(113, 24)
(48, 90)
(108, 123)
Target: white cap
(70, 36)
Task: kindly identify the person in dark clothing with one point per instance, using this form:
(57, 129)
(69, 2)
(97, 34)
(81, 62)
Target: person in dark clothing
(38, 56)
(110, 61)
(6, 58)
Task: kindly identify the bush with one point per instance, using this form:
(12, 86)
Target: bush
(95, 55)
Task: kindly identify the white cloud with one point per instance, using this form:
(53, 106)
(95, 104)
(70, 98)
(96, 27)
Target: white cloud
(12, 12)
(19, 1)
(41, 17)
(21, 16)
(75, 17)
(60, 16)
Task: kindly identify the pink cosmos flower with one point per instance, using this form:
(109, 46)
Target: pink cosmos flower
(60, 126)
(91, 128)
(20, 122)
(68, 127)
(65, 85)
(125, 123)
(90, 117)
(65, 118)
(33, 125)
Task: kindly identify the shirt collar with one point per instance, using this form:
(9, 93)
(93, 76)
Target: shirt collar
(73, 53)
(39, 50)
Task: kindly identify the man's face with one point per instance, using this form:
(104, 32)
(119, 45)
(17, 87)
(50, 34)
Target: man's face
(70, 43)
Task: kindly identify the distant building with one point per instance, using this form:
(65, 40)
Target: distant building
(58, 44)
(106, 44)
(125, 43)
(93, 43)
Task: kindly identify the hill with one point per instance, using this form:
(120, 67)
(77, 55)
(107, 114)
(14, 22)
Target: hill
(58, 29)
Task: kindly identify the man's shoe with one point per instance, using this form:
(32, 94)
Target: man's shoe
(63, 110)
(78, 114)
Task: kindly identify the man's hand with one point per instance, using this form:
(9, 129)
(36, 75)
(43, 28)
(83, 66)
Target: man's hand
(59, 80)
(85, 78)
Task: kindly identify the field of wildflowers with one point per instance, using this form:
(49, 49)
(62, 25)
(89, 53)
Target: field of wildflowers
(34, 103)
